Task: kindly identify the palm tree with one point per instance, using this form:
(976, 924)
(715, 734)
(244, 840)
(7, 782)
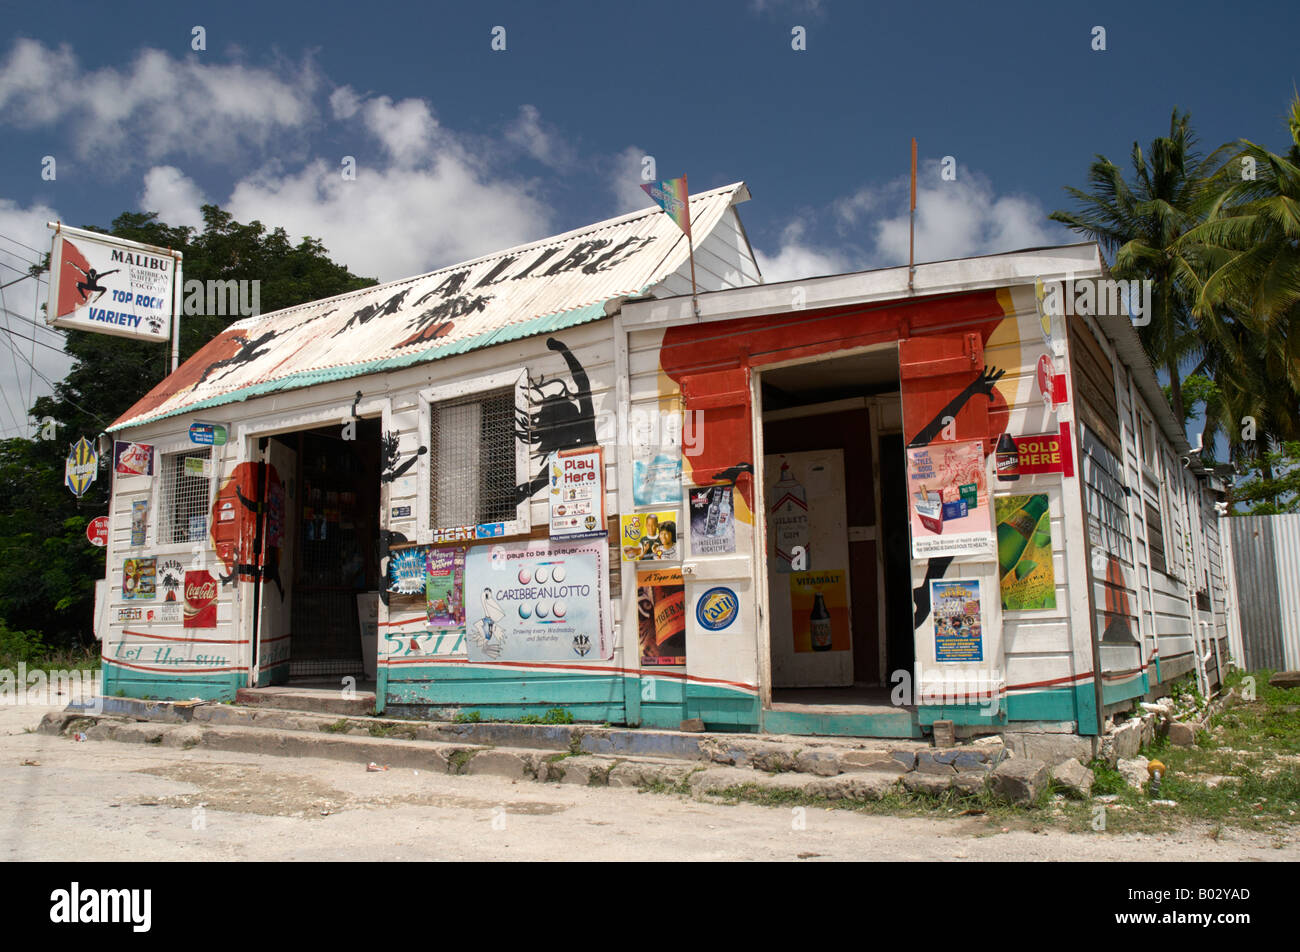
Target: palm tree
(1140, 225)
(1248, 251)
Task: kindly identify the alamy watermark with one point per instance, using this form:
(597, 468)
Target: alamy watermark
(38, 687)
(1099, 297)
(939, 687)
(214, 298)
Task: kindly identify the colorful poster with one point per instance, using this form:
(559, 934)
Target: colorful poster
(578, 494)
(406, 569)
(661, 617)
(200, 600)
(171, 576)
(713, 524)
(132, 459)
(139, 578)
(650, 536)
(444, 586)
(81, 467)
(1024, 529)
(788, 515)
(943, 520)
(139, 519)
(538, 601)
(958, 624)
(819, 611)
(656, 439)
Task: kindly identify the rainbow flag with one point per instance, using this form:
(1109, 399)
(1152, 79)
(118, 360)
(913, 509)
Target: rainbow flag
(674, 199)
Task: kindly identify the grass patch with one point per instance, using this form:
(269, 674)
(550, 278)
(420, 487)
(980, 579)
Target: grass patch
(460, 758)
(341, 726)
(467, 717)
(554, 715)
(380, 729)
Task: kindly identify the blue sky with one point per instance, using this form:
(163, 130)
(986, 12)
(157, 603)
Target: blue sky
(461, 150)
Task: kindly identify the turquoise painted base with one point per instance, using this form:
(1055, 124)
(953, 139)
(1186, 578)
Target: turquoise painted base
(124, 682)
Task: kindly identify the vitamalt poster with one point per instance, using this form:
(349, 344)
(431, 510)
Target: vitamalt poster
(819, 611)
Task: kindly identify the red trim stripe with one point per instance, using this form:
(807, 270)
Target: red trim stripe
(141, 667)
(197, 641)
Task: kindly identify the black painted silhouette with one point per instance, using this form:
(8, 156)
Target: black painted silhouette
(248, 350)
(92, 282)
(564, 418)
(363, 315)
(388, 446)
(981, 384)
(934, 569)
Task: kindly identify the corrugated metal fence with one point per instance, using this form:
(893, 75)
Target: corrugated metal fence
(1266, 557)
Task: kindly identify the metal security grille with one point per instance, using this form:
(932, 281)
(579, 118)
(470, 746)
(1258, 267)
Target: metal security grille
(186, 496)
(1104, 498)
(472, 459)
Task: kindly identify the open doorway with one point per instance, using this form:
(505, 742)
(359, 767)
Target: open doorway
(837, 562)
(332, 553)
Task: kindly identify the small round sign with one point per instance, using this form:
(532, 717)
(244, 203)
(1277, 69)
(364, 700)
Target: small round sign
(97, 531)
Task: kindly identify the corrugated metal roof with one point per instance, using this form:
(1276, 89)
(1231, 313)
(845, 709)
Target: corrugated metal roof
(541, 287)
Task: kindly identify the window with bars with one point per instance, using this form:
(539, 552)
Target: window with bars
(1105, 500)
(472, 459)
(185, 497)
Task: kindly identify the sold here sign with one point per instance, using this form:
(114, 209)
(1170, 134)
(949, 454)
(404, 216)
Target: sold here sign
(1046, 452)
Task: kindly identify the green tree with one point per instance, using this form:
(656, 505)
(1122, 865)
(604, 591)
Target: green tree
(1248, 250)
(47, 568)
(1140, 223)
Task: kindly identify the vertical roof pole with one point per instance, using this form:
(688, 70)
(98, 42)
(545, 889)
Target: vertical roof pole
(911, 225)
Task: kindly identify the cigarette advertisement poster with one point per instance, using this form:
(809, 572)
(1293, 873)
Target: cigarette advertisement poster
(132, 459)
(948, 500)
(444, 586)
(578, 494)
(649, 536)
(537, 601)
(661, 617)
(819, 611)
(139, 578)
(1024, 529)
(958, 625)
(713, 527)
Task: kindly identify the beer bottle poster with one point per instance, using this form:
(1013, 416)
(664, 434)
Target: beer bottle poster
(947, 516)
(444, 586)
(958, 624)
(139, 578)
(713, 526)
(1024, 531)
(816, 598)
(661, 616)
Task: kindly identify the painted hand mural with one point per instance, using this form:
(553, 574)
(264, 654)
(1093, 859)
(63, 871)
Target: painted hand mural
(558, 417)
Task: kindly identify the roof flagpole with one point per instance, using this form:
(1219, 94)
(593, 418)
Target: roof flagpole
(911, 225)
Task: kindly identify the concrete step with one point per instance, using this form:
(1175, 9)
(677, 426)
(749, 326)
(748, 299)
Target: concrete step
(316, 700)
(814, 756)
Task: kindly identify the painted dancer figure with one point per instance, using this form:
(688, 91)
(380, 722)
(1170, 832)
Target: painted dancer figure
(92, 283)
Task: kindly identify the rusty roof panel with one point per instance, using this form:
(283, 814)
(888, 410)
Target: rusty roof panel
(540, 287)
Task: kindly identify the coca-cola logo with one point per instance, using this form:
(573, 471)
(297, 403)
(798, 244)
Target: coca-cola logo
(202, 592)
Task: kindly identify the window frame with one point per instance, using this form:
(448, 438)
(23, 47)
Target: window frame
(479, 386)
(162, 453)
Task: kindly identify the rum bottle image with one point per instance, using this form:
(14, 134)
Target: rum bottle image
(1014, 533)
(819, 624)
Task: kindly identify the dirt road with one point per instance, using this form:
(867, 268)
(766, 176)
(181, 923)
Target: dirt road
(112, 801)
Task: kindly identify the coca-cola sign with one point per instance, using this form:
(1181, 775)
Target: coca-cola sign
(200, 600)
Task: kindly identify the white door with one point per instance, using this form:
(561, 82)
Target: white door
(278, 512)
(808, 594)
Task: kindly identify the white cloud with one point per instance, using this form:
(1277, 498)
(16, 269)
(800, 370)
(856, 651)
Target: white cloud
(540, 140)
(174, 196)
(953, 219)
(795, 258)
(623, 177)
(407, 130)
(344, 102)
(394, 222)
(157, 106)
(26, 239)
